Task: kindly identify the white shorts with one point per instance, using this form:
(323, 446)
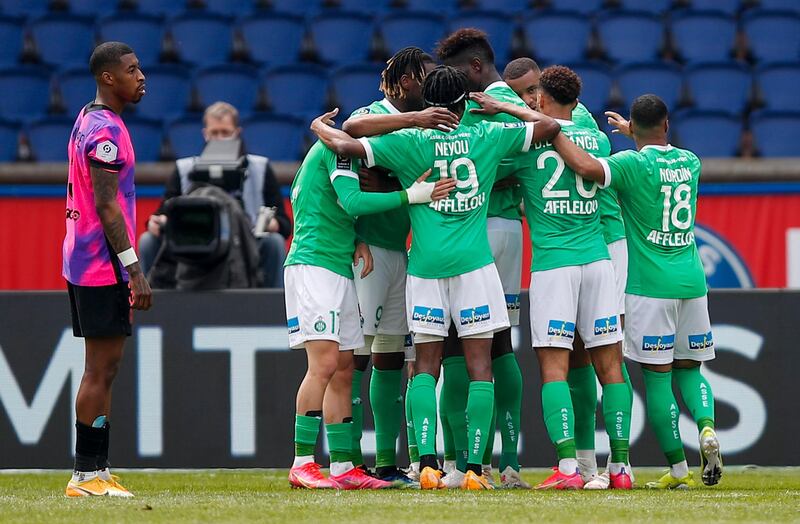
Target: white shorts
(505, 239)
(619, 259)
(660, 330)
(321, 305)
(382, 294)
(574, 296)
(410, 350)
(473, 300)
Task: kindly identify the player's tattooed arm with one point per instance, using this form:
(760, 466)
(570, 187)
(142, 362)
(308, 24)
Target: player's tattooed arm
(545, 128)
(584, 164)
(105, 186)
(335, 139)
(373, 125)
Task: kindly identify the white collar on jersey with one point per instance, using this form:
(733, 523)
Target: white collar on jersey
(499, 83)
(564, 122)
(389, 107)
(659, 148)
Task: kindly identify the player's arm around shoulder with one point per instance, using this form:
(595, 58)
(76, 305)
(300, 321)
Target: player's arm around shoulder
(581, 162)
(334, 139)
(363, 125)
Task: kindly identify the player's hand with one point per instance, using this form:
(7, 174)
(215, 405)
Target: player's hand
(363, 253)
(325, 119)
(436, 118)
(622, 126)
(155, 223)
(141, 295)
(489, 105)
(441, 189)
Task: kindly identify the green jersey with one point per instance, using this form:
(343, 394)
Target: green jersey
(449, 236)
(561, 207)
(583, 118)
(325, 200)
(388, 230)
(657, 190)
(504, 202)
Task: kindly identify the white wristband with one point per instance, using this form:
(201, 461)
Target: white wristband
(127, 257)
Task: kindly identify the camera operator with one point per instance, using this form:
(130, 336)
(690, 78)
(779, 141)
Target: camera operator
(221, 122)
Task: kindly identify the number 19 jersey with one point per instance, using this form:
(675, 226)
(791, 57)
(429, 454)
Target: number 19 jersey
(657, 190)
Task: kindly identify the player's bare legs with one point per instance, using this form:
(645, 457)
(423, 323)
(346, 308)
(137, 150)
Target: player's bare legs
(103, 356)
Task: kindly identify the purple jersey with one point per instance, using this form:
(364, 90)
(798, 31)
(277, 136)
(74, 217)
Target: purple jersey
(99, 139)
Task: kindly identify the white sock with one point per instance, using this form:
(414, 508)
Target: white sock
(340, 468)
(448, 466)
(302, 461)
(587, 462)
(486, 467)
(414, 467)
(83, 476)
(104, 474)
(616, 467)
(568, 466)
(679, 470)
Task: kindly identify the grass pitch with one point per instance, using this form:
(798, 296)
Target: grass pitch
(745, 494)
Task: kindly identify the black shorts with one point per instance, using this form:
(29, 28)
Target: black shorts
(103, 311)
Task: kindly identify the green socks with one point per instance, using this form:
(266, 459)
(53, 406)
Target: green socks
(508, 400)
(423, 410)
(413, 452)
(583, 390)
(489, 451)
(663, 414)
(358, 418)
(339, 441)
(455, 388)
(559, 418)
(306, 430)
(479, 419)
(697, 395)
(387, 411)
(617, 401)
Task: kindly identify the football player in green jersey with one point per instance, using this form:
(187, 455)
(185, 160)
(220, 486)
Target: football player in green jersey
(668, 329)
(381, 294)
(469, 51)
(452, 277)
(322, 307)
(572, 282)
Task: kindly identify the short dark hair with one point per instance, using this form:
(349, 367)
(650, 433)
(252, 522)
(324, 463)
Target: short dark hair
(518, 67)
(409, 60)
(561, 83)
(445, 86)
(107, 54)
(463, 44)
(648, 111)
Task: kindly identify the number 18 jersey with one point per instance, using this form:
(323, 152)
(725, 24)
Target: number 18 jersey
(657, 190)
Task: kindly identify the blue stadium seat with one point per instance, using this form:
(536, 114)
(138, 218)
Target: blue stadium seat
(630, 36)
(9, 141)
(169, 91)
(273, 38)
(186, 136)
(510, 7)
(656, 7)
(298, 8)
(730, 7)
(162, 7)
(719, 86)
(63, 40)
(48, 138)
(372, 7)
(707, 133)
(595, 85)
(582, 6)
(355, 86)
(789, 5)
(11, 38)
(238, 8)
(703, 35)
(498, 26)
(144, 33)
(772, 35)
(146, 136)
(778, 84)
(278, 137)
(441, 6)
(92, 7)
(341, 37)
(236, 84)
(77, 88)
(407, 28)
(775, 133)
(299, 90)
(618, 142)
(660, 79)
(24, 7)
(24, 104)
(202, 39)
(557, 37)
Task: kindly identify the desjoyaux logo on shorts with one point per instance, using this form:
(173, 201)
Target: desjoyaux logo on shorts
(428, 315)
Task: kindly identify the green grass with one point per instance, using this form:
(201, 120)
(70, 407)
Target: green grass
(745, 494)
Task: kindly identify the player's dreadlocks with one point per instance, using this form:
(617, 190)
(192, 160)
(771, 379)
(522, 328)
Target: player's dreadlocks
(445, 86)
(562, 83)
(410, 61)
